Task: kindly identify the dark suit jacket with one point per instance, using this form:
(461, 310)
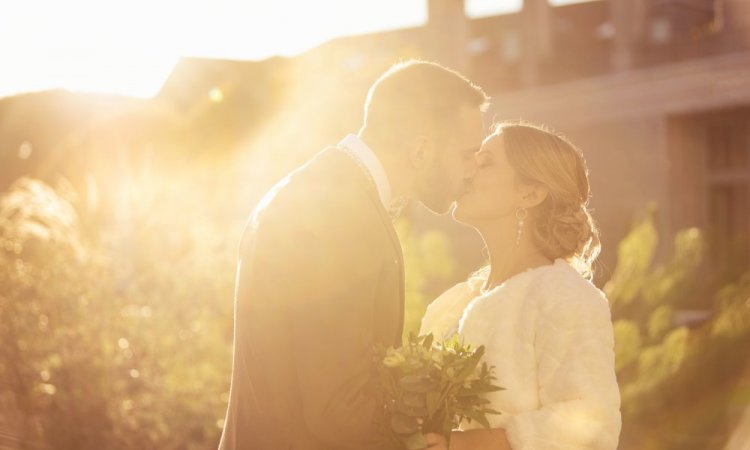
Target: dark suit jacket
(320, 281)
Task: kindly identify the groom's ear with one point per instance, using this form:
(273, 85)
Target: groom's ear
(418, 149)
(533, 195)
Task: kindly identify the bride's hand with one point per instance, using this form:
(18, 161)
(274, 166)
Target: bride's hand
(436, 441)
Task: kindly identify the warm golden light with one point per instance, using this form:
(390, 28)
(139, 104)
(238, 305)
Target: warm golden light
(130, 48)
(216, 95)
(121, 219)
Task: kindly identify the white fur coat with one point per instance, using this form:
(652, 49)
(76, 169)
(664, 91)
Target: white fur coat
(548, 332)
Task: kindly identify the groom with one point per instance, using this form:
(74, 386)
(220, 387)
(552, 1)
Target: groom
(320, 279)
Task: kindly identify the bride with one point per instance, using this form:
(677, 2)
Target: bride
(545, 327)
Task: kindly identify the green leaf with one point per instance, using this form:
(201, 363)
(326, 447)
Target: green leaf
(478, 389)
(479, 417)
(468, 370)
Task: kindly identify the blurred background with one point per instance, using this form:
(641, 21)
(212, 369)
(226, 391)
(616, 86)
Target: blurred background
(135, 139)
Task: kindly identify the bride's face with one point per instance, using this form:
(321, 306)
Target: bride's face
(493, 192)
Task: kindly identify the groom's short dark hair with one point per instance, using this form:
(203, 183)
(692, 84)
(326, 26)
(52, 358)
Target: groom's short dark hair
(416, 97)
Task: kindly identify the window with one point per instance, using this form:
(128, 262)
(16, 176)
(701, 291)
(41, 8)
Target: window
(710, 183)
(728, 177)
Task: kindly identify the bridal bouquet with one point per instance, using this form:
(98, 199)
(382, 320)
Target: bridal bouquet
(430, 386)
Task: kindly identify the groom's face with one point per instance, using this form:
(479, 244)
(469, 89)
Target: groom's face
(452, 163)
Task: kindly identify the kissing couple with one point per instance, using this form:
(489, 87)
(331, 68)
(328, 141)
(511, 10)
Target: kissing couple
(320, 279)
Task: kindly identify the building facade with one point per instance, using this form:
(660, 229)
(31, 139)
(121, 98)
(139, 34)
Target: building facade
(656, 93)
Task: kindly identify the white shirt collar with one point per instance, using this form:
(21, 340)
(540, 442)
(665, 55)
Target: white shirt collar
(370, 160)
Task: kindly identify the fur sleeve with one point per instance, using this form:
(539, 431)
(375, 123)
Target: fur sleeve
(578, 392)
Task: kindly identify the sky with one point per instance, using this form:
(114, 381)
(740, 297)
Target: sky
(130, 47)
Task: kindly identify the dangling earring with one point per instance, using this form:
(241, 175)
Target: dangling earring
(521, 214)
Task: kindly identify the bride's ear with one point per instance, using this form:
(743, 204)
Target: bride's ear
(533, 195)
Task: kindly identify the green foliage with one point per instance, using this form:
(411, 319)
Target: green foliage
(428, 259)
(627, 342)
(637, 286)
(634, 256)
(659, 322)
(658, 362)
(116, 339)
(732, 320)
(437, 384)
(672, 377)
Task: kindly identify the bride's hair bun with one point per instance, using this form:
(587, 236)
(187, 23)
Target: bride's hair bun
(562, 224)
(569, 233)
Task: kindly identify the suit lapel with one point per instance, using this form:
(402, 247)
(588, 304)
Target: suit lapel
(372, 194)
(387, 222)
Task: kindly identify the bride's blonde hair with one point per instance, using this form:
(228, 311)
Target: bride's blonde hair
(562, 225)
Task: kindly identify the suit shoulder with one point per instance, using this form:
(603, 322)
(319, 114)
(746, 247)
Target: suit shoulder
(308, 184)
(320, 199)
